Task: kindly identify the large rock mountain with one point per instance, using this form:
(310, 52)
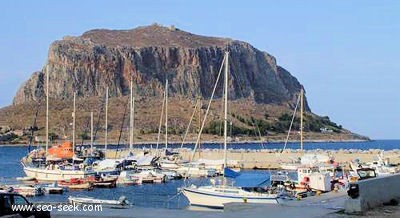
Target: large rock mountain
(149, 55)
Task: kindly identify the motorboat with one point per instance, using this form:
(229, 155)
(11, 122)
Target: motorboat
(125, 178)
(54, 188)
(196, 170)
(28, 191)
(121, 203)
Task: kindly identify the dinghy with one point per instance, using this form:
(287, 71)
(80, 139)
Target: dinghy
(121, 203)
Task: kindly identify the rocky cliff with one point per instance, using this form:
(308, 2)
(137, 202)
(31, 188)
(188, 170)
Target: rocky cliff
(149, 55)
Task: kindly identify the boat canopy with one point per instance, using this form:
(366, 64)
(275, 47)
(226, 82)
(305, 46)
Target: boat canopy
(248, 179)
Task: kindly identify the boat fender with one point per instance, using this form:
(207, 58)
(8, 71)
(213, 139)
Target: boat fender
(244, 200)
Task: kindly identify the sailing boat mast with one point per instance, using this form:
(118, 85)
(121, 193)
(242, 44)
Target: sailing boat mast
(73, 124)
(47, 108)
(301, 117)
(91, 133)
(131, 117)
(226, 107)
(106, 124)
(166, 114)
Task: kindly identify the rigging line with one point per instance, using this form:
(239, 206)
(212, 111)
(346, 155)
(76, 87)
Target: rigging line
(257, 129)
(123, 121)
(205, 116)
(291, 123)
(102, 102)
(161, 118)
(190, 122)
(34, 125)
(86, 129)
(239, 83)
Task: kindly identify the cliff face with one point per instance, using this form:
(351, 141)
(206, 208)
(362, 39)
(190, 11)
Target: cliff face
(101, 58)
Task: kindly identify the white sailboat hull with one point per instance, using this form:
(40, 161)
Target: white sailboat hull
(198, 197)
(56, 174)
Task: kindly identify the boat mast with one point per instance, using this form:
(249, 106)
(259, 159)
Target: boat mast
(226, 107)
(131, 118)
(91, 133)
(301, 117)
(166, 114)
(160, 124)
(73, 124)
(47, 108)
(106, 124)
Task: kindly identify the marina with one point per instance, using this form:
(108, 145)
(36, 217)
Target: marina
(165, 195)
(262, 109)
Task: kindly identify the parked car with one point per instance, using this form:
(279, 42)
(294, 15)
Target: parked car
(7, 199)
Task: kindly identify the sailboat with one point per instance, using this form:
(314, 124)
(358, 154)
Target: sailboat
(306, 160)
(56, 172)
(243, 184)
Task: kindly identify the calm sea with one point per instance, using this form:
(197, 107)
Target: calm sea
(163, 195)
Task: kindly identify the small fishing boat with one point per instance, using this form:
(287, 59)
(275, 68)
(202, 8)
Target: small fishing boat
(76, 184)
(28, 191)
(121, 203)
(103, 182)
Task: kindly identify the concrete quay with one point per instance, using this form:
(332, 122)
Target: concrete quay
(271, 159)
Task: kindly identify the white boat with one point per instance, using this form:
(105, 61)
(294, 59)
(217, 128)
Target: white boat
(146, 176)
(171, 164)
(218, 195)
(382, 166)
(125, 178)
(122, 202)
(56, 174)
(217, 165)
(195, 170)
(54, 188)
(290, 166)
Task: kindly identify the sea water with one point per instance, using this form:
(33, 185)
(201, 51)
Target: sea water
(163, 195)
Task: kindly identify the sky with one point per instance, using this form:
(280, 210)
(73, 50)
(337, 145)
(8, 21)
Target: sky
(345, 52)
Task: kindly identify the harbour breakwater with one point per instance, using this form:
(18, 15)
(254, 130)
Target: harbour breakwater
(272, 158)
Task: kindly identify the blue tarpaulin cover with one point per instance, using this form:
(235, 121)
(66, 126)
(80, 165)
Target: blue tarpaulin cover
(248, 179)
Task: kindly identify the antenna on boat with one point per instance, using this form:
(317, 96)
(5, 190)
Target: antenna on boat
(106, 124)
(47, 107)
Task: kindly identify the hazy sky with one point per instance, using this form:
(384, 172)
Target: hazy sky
(346, 53)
